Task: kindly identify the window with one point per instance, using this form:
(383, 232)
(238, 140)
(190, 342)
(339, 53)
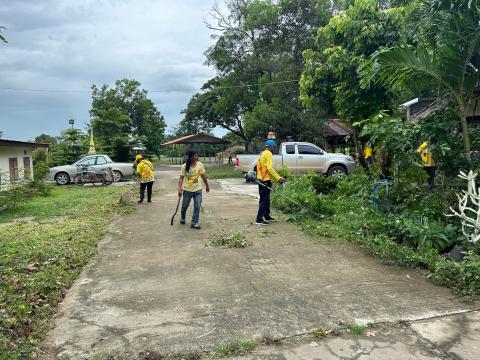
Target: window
(290, 149)
(309, 150)
(101, 160)
(87, 162)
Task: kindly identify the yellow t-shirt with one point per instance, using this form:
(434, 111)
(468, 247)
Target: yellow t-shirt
(367, 152)
(191, 181)
(426, 155)
(265, 170)
(145, 171)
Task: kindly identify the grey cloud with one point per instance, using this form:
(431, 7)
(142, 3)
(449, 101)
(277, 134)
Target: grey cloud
(64, 44)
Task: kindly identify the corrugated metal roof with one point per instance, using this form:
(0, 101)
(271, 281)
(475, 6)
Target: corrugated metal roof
(334, 127)
(22, 143)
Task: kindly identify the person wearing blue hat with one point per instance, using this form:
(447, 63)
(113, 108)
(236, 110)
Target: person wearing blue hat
(265, 173)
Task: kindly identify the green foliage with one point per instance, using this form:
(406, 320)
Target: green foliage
(223, 172)
(235, 240)
(40, 164)
(44, 243)
(241, 347)
(330, 78)
(445, 56)
(259, 42)
(464, 276)
(67, 148)
(325, 185)
(356, 329)
(300, 190)
(124, 115)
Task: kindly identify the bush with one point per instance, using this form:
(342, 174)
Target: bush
(463, 277)
(325, 185)
(300, 190)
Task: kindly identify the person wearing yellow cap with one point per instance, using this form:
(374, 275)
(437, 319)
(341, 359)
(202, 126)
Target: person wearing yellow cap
(145, 172)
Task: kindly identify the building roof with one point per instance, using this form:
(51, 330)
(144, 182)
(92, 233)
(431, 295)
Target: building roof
(197, 139)
(23, 143)
(334, 127)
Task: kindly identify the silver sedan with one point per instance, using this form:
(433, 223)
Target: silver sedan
(64, 174)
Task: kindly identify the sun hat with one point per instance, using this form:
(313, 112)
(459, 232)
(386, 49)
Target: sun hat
(270, 143)
(138, 157)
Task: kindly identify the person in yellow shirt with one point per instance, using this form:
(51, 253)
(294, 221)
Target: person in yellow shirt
(145, 172)
(265, 173)
(429, 164)
(368, 155)
(190, 187)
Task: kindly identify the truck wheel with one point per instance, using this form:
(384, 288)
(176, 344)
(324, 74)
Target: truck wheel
(337, 170)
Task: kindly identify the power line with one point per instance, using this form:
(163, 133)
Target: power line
(150, 91)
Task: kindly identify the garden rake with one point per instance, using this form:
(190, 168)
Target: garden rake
(176, 210)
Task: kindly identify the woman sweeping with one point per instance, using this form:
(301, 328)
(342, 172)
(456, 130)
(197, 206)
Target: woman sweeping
(189, 185)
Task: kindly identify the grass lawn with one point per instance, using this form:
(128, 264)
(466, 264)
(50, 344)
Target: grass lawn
(43, 253)
(222, 172)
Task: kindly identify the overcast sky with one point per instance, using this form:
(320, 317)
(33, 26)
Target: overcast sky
(72, 44)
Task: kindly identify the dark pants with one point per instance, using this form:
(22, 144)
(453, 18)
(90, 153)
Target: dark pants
(149, 186)
(264, 203)
(431, 175)
(197, 204)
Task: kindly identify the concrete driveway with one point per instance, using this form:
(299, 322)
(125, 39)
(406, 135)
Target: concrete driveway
(158, 289)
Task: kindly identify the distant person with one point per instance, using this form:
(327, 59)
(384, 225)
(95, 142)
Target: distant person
(368, 155)
(265, 172)
(145, 172)
(189, 185)
(230, 161)
(429, 164)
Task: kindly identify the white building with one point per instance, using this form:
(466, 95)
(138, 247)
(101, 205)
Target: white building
(16, 160)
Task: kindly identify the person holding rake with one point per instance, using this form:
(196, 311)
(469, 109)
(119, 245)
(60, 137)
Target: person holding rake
(190, 187)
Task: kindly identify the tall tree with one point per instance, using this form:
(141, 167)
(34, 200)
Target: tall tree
(125, 113)
(446, 56)
(330, 80)
(258, 58)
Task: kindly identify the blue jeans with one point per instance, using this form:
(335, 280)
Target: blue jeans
(197, 204)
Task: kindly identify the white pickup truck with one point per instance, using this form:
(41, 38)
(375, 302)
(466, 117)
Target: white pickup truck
(301, 157)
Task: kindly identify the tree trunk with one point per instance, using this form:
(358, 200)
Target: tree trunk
(359, 147)
(466, 135)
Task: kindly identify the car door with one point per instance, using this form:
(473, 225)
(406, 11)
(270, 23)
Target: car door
(310, 158)
(100, 163)
(290, 157)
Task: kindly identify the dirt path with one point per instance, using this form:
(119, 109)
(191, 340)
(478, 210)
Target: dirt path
(158, 289)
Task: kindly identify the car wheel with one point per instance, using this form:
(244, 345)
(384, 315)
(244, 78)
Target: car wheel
(62, 178)
(337, 170)
(117, 176)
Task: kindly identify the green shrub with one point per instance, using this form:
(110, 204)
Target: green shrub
(357, 185)
(325, 185)
(461, 276)
(300, 190)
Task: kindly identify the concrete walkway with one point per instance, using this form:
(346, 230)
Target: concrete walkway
(158, 289)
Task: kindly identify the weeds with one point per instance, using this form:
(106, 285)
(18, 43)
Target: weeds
(241, 347)
(235, 240)
(356, 329)
(320, 332)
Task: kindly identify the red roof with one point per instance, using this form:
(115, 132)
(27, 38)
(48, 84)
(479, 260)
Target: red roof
(197, 139)
(22, 143)
(334, 127)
